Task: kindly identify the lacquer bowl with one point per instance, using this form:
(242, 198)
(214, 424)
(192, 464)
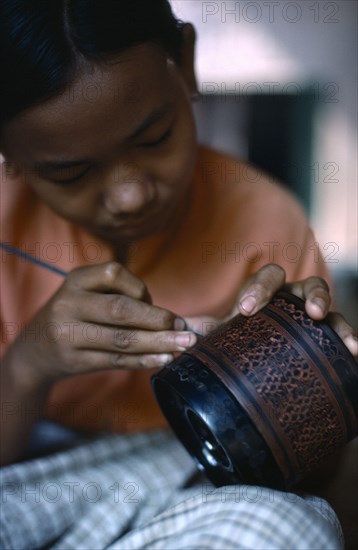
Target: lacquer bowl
(263, 400)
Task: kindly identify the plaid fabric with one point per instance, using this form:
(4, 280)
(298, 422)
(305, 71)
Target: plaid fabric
(126, 492)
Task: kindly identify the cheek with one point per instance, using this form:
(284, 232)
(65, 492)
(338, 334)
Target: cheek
(70, 204)
(182, 158)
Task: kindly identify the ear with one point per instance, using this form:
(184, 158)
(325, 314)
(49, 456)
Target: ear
(187, 62)
(11, 170)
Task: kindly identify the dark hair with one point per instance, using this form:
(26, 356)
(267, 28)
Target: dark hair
(42, 40)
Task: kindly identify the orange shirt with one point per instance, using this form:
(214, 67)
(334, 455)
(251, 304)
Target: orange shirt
(236, 222)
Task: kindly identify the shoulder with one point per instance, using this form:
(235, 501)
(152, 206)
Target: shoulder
(247, 193)
(30, 225)
(21, 209)
(255, 220)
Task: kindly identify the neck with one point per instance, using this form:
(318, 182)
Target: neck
(121, 252)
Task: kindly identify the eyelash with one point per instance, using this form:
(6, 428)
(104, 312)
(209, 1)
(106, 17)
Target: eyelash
(164, 137)
(72, 180)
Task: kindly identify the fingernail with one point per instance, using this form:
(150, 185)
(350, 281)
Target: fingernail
(157, 360)
(351, 341)
(179, 324)
(164, 359)
(185, 340)
(248, 304)
(319, 302)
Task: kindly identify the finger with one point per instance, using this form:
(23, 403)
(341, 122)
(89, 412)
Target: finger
(315, 292)
(344, 331)
(149, 361)
(119, 310)
(260, 288)
(135, 341)
(109, 277)
(96, 360)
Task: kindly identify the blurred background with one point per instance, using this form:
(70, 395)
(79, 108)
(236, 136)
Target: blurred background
(279, 89)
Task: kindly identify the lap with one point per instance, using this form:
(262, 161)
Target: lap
(127, 492)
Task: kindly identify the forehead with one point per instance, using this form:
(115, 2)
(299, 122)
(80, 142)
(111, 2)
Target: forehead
(104, 101)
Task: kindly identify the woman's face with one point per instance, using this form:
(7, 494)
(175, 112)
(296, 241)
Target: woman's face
(115, 152)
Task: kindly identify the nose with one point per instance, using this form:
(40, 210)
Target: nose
(127, 194)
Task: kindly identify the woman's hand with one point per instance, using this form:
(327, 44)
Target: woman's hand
(100, 318)
(259, 289)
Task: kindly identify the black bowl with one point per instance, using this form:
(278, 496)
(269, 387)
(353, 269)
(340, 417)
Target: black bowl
(265, 399)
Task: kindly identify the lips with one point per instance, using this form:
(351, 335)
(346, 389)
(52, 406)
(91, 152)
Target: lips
(139, 227)
(126, 224)
(123, 225)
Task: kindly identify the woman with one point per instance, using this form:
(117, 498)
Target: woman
(99, 141)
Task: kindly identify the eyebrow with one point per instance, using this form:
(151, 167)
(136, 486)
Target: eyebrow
(151, 119)
(156, 115)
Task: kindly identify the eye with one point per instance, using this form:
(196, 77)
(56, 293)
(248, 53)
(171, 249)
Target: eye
(162, 139)
(68, 181)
